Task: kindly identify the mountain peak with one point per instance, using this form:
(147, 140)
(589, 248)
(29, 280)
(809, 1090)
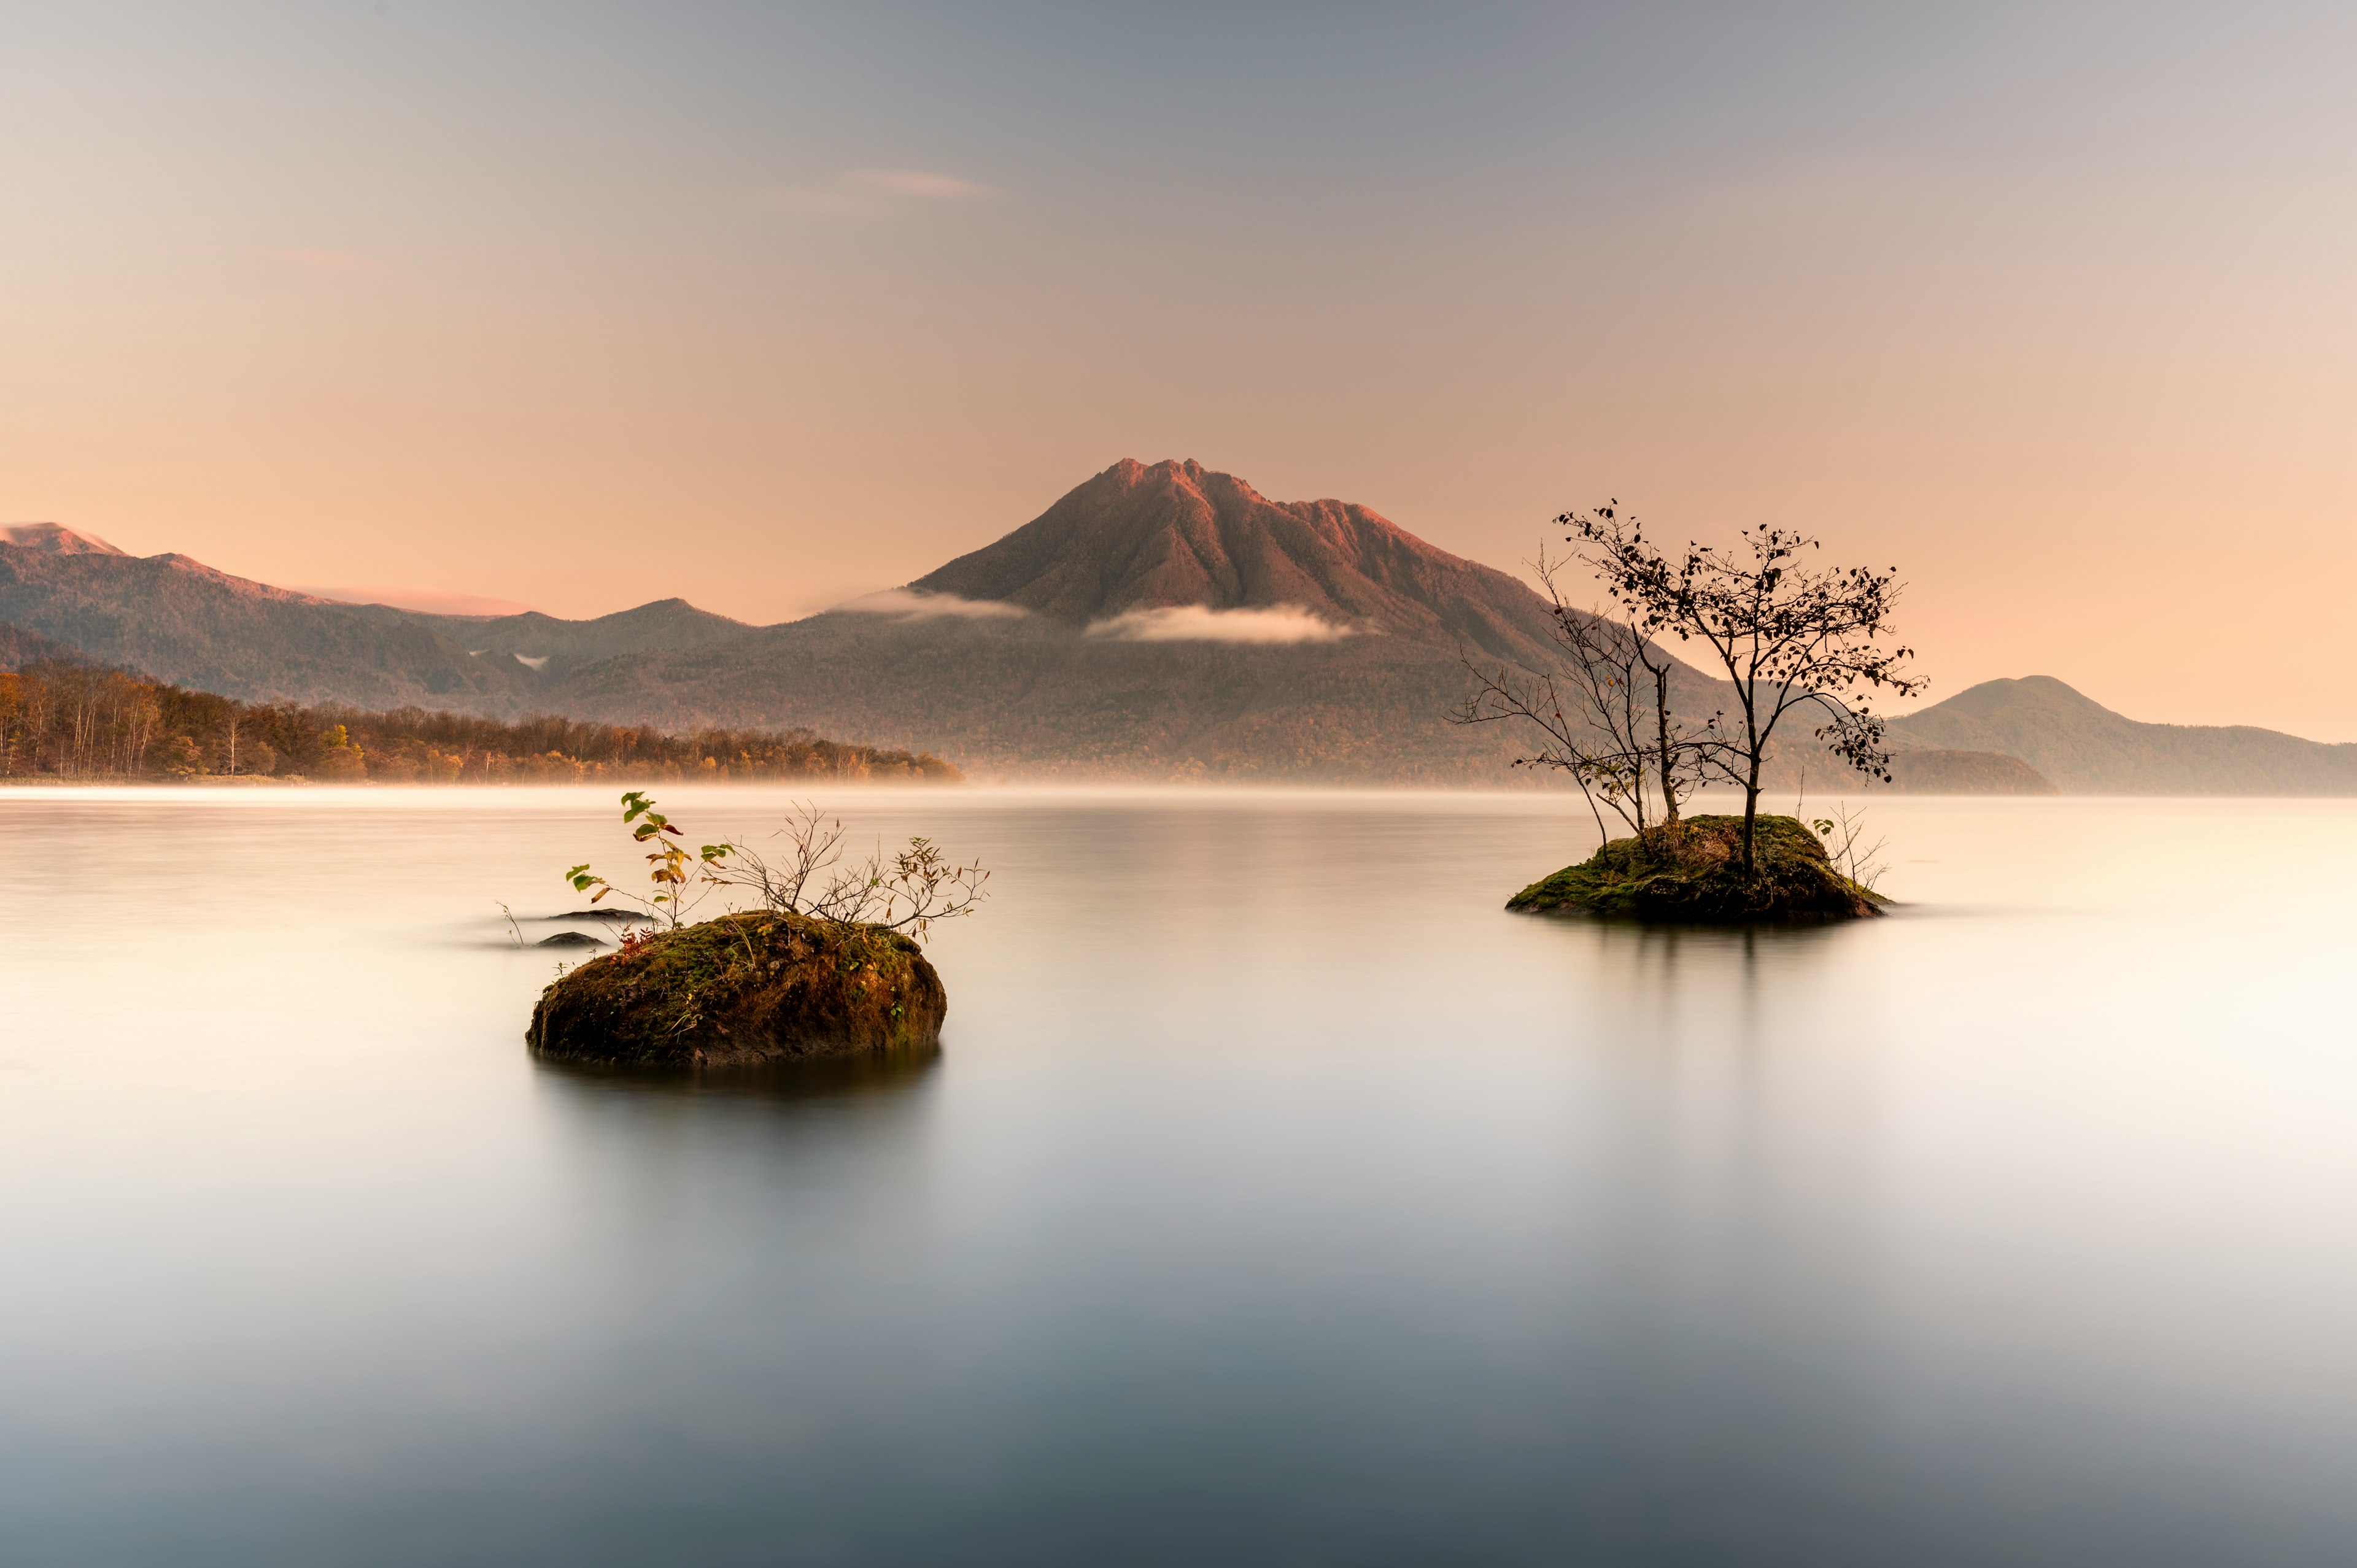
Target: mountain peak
(2035, 691)
(54, 539)
(1173, 534)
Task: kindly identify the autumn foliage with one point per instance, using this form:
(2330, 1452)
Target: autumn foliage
(62, 720)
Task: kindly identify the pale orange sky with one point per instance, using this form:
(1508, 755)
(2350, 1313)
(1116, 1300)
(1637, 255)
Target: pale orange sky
(580, 307)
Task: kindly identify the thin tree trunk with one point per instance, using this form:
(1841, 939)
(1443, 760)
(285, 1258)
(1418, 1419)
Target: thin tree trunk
(1662, 732)
(1750, 814)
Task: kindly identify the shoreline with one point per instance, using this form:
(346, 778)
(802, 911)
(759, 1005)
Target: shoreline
(296, 781)
(1054, 788)
(127, 781)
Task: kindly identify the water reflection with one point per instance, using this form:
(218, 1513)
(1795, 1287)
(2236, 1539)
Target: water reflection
(1275, 1196)
(871, 1074)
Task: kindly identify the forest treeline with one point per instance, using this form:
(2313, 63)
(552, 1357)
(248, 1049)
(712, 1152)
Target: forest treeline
(68, 720)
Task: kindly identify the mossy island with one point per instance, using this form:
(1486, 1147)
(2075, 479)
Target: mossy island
(745, 990)
(1640, 730)
(828, 966)
(1692, 871)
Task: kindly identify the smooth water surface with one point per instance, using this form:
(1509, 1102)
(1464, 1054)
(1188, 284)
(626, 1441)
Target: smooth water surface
(1276, 1198)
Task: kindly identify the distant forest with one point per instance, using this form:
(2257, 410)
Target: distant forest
(68, 720)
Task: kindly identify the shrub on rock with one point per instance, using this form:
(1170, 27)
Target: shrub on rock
(744, 990)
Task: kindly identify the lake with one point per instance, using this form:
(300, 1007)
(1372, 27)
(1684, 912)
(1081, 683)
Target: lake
(1276, 1197)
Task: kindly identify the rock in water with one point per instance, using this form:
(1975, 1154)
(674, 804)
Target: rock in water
(744, 990)
(1696, 874)
(569, 939)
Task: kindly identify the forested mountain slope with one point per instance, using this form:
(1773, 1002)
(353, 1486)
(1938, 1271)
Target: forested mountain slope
(19, 647)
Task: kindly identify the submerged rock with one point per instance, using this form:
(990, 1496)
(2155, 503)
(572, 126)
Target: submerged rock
(1696, 874)
(569, 939)
(743, 990)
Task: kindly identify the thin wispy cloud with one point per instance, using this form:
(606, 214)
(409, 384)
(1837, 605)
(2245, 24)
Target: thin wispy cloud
(879, 193)
(911, 603)
(924, 185)
(1200, 623)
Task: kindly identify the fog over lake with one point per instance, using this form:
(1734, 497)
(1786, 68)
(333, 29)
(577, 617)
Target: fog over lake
(1276, 1197)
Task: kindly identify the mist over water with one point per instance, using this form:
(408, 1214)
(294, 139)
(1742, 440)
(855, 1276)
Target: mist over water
(1275, 1196)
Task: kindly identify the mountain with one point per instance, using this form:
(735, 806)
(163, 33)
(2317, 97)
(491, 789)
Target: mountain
(1138, 541)
(666, 623)
(1162, 621)
(180, 621)
(2087, 749)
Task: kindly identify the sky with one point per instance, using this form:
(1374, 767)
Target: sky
(768, 306)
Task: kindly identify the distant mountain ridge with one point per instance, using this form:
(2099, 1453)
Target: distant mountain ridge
(182, 621)
(2087, 749)
(665, 623)
(1158, 621)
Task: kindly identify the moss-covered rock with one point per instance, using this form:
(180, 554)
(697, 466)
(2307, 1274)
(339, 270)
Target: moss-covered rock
(743, 990)
(1696, 874)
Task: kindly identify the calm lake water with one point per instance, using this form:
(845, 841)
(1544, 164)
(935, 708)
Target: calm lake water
(1276, 1198)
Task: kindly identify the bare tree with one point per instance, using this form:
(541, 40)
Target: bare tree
(1788, 636)
(1606, 720)
(907, 891)
(1845, 845)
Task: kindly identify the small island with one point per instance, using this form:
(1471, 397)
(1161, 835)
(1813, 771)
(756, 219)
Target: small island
(828, 965)
(1787, 637)
(745, 990)
(1692, 871)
